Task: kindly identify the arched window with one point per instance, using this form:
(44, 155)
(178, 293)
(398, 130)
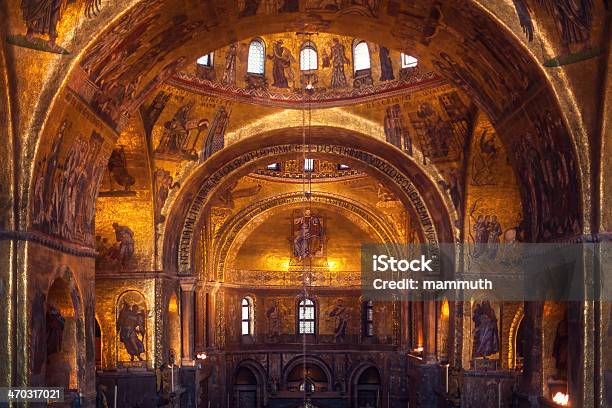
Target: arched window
(247, 316)
(257, 57)
(308, 57)
(361, 56)
(306, 317)
(206, 60)
(368, 318)
(408, 61)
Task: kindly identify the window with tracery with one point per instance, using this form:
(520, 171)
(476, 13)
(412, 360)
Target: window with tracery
(257, 57)
(306, 317)
(308, 57)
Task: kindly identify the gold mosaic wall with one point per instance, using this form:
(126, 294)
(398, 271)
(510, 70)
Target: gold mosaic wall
(109, 292)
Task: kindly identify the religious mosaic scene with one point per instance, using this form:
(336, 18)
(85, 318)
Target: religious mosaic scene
(191, 192)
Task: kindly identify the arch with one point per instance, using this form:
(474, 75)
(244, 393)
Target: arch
(443, 332)
(131, 344)
(401, 173)
(293, 373)
(249, 379)
(308, 56)
(64, 331)
(174, 326)
(241, 221)
(523, 74)
(361, 56)
(366, 385)
(256, 60)
(516, 323)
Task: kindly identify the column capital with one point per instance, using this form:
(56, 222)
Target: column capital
(187, 284)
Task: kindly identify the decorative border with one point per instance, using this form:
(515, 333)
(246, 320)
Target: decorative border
(49, 242)
(323, 98)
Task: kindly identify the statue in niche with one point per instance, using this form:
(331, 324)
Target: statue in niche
(339, 60)
(560, 348)
(229, 73)
(123, 250)
(486, 336)
(55, 323)
(341, 314)
(117, 169)
(386, 66)
(131, 328)
(177, 133)
(274, 321)
(309, 236)
(281, 65)
(485, 160)
(164, 183)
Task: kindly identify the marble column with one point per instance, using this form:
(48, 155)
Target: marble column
(188, 320)
(429, 337)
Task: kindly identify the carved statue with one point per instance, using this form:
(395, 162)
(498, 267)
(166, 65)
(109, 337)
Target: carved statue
(131, 328)
(486, 336)
(339, 60)
(55, 330)
(125, 239)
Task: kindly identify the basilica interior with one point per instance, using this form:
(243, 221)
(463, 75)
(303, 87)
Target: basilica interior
(186, 188)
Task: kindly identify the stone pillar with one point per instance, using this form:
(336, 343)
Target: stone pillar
(531, 383)
(188, 320)
(429, 332)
